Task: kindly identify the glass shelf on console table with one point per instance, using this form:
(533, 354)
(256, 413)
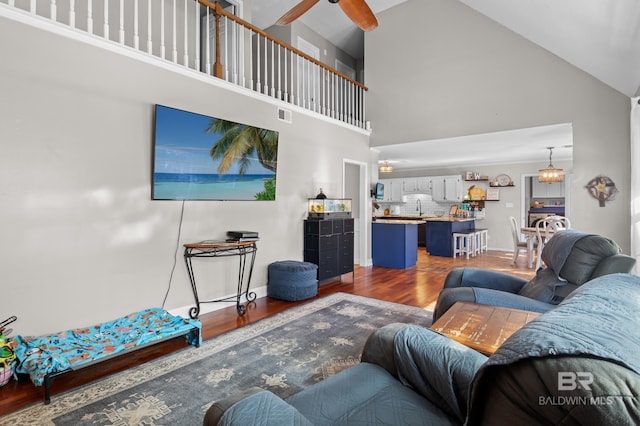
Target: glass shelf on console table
(212, 249)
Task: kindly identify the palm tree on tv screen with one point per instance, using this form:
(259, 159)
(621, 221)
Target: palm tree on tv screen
(239, 143)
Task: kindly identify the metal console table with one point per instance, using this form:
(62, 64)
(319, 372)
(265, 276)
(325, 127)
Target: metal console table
(223, 249)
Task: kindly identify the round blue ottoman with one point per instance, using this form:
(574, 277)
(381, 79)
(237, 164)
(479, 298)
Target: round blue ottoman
(292, 280)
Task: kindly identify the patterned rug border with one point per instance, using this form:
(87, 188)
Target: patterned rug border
(87, 394)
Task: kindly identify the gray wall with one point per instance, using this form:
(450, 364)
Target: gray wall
(458, 73)
(328, 52)
(82, 242)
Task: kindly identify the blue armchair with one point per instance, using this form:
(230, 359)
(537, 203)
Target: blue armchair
(572, 258)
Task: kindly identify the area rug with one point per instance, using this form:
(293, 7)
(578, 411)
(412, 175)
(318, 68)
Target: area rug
(283, 353)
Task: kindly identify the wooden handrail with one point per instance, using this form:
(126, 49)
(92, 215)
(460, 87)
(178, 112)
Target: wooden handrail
(219, 11)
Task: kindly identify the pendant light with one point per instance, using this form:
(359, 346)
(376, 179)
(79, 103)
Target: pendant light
(550, 174)
(385, 168)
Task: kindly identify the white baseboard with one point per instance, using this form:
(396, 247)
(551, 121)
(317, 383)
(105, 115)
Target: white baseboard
(205, 308)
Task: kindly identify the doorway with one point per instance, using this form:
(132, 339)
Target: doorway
(355, 186)
(556, 198)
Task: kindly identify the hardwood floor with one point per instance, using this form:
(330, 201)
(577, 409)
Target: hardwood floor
(416, 286)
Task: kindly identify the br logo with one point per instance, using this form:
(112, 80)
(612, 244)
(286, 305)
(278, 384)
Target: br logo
(568, 380)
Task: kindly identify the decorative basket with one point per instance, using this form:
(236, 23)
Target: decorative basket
(5, 375)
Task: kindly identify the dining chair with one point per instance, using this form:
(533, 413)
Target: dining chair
(518, 244)
(545, 228)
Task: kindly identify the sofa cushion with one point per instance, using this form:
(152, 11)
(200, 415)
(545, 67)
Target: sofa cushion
(543, 286)
(363, 395)
(585, 257)
(549, 391)
(252, 409)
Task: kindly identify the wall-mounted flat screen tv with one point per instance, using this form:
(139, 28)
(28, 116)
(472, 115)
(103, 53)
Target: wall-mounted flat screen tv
(197, 157)
(379, 191)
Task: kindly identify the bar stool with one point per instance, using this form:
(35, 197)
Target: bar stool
(482, 237)
(463, 243)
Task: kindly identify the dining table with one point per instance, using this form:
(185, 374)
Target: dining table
(531, 236)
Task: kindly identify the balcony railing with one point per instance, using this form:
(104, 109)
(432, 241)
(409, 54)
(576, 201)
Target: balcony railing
(202, 36)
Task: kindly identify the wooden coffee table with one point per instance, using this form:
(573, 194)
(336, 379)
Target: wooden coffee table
(481, 327)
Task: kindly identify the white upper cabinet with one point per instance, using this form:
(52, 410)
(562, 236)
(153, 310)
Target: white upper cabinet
(446, 188)
(547, 190)
(393, 190)
(410, 185)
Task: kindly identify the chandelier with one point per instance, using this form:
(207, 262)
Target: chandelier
(550, 174)
(385, 168)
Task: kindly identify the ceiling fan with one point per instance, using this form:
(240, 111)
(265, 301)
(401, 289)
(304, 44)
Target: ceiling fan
(357, 10)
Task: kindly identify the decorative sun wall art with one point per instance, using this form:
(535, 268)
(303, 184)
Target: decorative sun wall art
(602, 188)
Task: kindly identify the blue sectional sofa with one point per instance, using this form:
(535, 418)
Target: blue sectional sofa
(575, 364)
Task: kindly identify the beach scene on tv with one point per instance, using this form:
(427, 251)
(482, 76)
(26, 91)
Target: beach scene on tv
(197, 157)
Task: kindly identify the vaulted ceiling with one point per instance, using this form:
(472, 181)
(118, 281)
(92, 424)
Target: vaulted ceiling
(601, 37)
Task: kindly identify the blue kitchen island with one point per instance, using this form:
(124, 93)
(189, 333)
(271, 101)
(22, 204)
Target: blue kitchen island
(440, 233)
(394, 243)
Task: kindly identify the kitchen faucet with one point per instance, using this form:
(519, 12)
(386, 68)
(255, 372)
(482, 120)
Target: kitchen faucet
(419, 207)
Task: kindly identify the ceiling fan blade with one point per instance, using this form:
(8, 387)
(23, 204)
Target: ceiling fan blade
(297, 11)
(360, 13)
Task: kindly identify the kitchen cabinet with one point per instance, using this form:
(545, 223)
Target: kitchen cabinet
(424, 185)
(446, 188)
(547, 190)
(439, 234)
(394, 244)
(393, 190)
(416, 185)
(410, 185)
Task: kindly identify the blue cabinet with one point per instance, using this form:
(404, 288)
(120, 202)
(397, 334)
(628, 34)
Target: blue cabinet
(394, 245)
(440, 234)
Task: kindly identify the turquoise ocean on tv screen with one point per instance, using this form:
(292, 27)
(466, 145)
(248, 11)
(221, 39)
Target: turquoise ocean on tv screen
(191, 186)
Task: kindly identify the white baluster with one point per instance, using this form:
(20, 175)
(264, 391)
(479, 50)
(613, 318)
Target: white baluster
(121, 32)
(226, 49)
(258, 64)
(273, 74)
(294, 92)
(196, 36)
(53, 9)
(32, 6)
(185, 57)
(105, 23)
(323, 91)
(284, 80)
(162, 45)
(279, 80)
(243, 69)
(337, 111)
(234, 53)
(136, 34)
(72, 13)
(364, 110)
(174, 34)
(149, 39)
(90, 16)
(251, 59)
(207, 47)
(265, 86)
